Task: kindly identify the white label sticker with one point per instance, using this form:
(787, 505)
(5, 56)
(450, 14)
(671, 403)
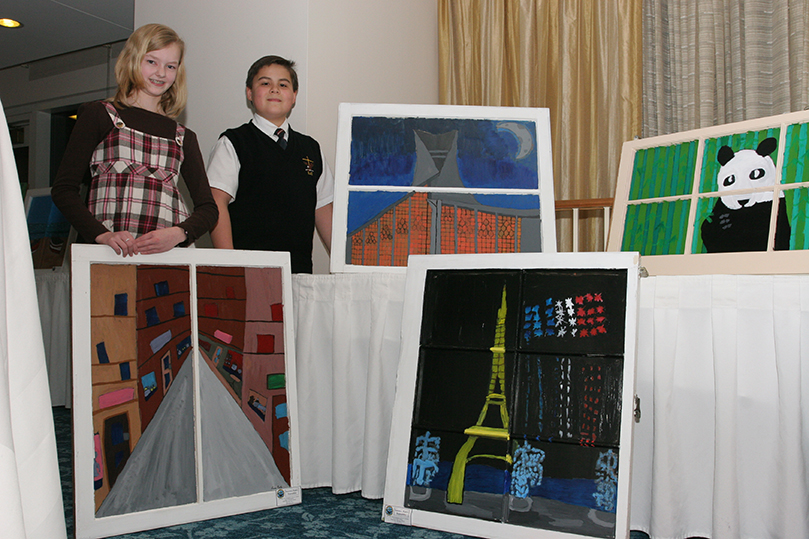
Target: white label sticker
(288, 496)
(398, 515)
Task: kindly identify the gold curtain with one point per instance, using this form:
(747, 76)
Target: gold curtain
(579, 58)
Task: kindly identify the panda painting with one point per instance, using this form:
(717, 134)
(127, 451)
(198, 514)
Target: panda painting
(741, 222)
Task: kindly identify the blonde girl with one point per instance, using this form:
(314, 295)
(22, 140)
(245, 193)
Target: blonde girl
(134, 151)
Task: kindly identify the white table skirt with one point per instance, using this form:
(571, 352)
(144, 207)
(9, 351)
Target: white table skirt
(53, 293)
(723, 376)
(348, 333)
(723, 443)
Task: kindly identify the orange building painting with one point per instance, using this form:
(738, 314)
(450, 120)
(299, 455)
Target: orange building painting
(441, 215)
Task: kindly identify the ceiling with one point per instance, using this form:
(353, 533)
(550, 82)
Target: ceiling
(52, 27)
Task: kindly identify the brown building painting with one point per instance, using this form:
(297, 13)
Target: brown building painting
(141, 336)
(241, 337)
(444, 221)
(141, 339)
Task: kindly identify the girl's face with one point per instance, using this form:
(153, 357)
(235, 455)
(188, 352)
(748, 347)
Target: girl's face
(159, 70)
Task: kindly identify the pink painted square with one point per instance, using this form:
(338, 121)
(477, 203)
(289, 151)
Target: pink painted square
(222, 336)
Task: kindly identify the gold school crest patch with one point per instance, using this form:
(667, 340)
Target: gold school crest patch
(309, 165)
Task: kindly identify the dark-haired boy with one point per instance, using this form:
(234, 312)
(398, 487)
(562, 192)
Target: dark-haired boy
(271, 183)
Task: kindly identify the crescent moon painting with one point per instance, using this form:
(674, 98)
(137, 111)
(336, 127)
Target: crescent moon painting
(441, 179)
(523, 135)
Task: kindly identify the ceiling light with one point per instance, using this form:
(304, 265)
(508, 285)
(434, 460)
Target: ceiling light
(10, 23)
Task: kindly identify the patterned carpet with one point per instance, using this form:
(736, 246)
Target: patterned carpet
(321, 515)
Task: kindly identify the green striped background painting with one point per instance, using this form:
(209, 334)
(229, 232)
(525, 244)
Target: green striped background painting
(797, 201)
(704, 208)
(663, 171)
(795, 148)
(739, 141)
(656, 229)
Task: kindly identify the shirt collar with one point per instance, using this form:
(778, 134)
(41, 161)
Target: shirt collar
(268, 128)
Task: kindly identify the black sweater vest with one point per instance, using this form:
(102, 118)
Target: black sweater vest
(274, 208)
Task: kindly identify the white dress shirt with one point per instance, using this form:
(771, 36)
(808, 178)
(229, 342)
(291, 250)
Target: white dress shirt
(223, 165)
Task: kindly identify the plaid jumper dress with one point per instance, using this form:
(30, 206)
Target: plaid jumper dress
(135, 175)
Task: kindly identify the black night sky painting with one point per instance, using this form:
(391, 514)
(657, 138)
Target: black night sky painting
(517, 408)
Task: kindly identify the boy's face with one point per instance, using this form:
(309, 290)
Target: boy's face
(271, 93)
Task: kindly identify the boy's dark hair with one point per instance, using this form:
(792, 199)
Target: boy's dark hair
(270, 60)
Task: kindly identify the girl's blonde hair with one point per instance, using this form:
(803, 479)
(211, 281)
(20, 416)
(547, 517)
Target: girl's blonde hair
(147, 38)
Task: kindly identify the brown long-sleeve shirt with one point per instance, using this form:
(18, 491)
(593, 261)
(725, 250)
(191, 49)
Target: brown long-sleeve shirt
(92, 126)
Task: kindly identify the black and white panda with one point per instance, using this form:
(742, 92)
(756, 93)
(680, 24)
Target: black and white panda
(741, 222)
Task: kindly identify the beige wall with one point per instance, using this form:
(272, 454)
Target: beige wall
(367, 51)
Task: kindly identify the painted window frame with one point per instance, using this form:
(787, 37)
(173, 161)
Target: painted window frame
(88, 525)
(690, 262)
(394, 510)
(348, 112)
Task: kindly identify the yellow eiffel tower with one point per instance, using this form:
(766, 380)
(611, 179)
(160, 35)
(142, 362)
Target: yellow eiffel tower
(496, 397)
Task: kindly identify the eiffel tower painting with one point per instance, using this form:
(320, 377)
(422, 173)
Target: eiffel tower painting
(495, 398)
(518, 400)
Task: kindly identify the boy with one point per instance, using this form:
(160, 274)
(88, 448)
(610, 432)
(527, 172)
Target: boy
(272, 185)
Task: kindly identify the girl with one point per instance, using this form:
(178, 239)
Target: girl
(135, 151)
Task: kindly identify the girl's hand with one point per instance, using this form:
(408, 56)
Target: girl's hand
(160, 241)
(121, 242)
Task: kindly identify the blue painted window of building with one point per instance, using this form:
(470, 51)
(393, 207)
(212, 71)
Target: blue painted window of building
(121, 305)
(281, 410)
(183, 345)
(149, 382)
(116, 434)
(101, 350)
(161, 288)
(151, 316)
